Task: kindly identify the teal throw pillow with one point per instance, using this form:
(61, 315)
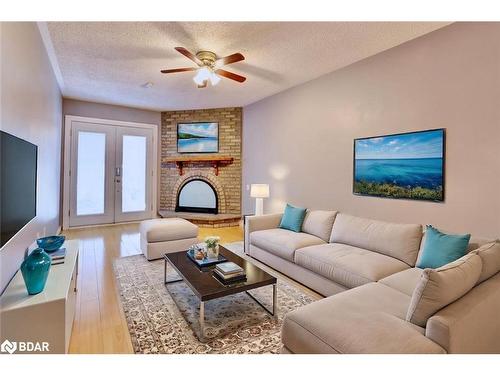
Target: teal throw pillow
(440, 248)
(293, 217)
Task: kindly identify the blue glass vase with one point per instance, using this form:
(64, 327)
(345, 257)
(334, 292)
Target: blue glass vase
(35, 270)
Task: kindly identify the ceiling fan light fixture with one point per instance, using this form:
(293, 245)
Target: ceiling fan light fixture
(214, 79)
(208, 67)
(202, 75)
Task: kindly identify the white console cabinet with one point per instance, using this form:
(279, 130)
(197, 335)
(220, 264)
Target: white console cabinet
(47, 316)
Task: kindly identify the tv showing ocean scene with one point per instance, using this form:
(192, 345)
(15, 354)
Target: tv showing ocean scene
(199, 137)
(407, 166)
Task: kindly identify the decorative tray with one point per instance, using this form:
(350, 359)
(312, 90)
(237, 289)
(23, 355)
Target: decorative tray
(205, 262)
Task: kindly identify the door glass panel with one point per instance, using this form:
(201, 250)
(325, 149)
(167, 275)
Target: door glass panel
(134, 173)
(91, 166)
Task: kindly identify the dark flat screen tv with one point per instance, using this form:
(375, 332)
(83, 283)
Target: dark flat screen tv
(18, 165)
(404, 166)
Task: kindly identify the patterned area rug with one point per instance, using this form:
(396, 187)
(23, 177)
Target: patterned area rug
(163, 322)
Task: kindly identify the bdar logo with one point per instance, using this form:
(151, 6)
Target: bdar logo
(8, 347)
(24, 346)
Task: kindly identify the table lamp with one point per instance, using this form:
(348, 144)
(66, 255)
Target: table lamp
(259, 192)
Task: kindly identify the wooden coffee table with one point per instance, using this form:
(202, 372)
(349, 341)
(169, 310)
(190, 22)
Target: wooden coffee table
(206, 287)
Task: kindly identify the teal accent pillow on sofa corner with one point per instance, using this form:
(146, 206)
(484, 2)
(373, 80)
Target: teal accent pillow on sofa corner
(293, 217)
(440, 248)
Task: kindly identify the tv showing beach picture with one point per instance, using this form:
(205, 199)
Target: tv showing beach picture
(200, 137)
(408, 166)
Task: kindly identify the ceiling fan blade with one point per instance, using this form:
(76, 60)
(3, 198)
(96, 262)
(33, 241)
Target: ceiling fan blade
(233, 76)
(177, 70)
(189, 55)
(204, 85)
(235, 57)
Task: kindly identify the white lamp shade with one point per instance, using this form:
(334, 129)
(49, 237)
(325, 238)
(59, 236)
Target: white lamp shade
(214, 79)
(201, 76)
(259, 191)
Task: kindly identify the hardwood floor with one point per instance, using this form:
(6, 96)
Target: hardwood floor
(100, 325)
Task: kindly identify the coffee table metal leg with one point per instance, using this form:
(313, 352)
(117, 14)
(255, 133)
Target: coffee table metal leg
(165, 276)
(202, 321)
(271, 312)
(275, 300)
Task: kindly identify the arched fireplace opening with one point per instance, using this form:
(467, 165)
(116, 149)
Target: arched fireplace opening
(197, 195)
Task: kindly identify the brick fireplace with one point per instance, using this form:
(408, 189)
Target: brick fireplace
(221, 171)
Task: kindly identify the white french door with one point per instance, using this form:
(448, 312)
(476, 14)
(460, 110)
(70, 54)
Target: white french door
(111, 174)
(134, 174)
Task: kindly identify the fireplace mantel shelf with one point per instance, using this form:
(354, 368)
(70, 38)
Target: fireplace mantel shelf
(216, 160)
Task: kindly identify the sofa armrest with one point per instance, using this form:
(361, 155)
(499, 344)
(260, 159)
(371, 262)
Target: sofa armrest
(359, 333)
(470, 324)
(262, 222)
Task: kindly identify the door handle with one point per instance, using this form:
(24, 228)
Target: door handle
(118, 171)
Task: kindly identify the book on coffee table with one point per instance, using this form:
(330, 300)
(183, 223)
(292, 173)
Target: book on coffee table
(229, 268)
(229, 272)
(229, 276)
(229, 279)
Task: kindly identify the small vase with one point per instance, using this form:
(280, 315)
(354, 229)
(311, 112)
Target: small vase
(213, 252)
(35, 270)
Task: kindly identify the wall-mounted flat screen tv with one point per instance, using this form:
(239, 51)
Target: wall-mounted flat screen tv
(17, 184)
(198, 137)
(406, 166)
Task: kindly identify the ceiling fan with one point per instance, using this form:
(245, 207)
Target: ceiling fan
(209, 67)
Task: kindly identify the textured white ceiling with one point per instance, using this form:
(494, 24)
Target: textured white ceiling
(109, 62)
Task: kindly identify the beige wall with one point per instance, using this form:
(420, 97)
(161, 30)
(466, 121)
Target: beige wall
(109, 112)
(301, 140)
(31, 109)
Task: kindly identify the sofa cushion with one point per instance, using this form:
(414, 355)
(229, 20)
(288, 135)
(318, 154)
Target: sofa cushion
(282, 242)
(168, 229)
(355, 321)
(442, 248)
(400, 241)
(490, 256)
(474, 242)
(347, 265)
(319, 223)
(404, 281)
(292, 218)
(439, 287)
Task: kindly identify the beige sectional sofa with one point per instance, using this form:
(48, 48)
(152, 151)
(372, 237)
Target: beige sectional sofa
(366, 268)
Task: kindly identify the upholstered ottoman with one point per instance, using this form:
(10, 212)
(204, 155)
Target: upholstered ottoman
(160, 236)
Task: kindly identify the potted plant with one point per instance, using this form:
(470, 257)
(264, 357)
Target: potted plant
(212, 243)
